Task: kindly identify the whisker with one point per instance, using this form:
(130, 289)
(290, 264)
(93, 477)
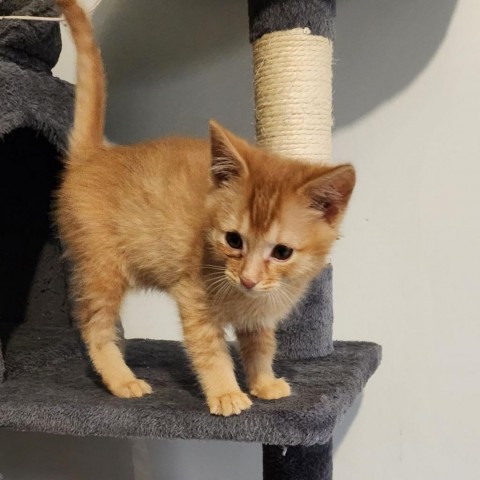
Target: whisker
(215, 283)
(221, 293)
(214, 274)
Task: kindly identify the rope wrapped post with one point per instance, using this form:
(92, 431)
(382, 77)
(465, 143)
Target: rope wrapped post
(293, 94)
(292, 57)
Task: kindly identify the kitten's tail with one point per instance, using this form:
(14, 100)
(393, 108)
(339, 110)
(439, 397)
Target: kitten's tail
(89, 120)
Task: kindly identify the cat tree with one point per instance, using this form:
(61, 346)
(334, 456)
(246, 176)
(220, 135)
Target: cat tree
(48, 384)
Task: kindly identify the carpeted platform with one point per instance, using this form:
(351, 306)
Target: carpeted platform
(54, 390)
(63, 397)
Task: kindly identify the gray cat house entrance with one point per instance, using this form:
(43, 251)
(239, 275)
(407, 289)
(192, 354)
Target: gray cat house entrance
(46, 382)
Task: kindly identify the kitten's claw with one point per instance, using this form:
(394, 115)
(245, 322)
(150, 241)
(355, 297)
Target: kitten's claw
(272, 390)
(131, 389)
(229, 404)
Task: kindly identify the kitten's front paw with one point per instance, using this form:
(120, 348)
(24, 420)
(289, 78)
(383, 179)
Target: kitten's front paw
(229, 404)
(272, 390)
(131, 388)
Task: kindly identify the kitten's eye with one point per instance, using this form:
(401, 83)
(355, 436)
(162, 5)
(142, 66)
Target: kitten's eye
(282, 252)
(234, 240)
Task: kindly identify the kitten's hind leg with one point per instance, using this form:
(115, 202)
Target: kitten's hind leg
(98, 313)
(208, 351)
(257, 349)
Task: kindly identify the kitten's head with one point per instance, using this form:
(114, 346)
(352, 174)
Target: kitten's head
(273, 220)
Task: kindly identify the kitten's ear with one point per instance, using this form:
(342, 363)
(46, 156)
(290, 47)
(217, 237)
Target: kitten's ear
(330, 192)
(227, 162)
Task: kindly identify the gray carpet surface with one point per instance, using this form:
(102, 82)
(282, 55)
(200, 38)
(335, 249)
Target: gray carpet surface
(266, 16)
(30, 98)
(34, 45)
(54, 390)
(30, 95)
(307, 331)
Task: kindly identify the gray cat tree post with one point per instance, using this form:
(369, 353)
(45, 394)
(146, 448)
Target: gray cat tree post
(48, 385)
(292, 51)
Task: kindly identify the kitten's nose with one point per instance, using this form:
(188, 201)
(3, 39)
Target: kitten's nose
(247, 283)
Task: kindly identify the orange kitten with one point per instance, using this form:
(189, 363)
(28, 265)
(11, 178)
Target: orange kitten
(233, 233)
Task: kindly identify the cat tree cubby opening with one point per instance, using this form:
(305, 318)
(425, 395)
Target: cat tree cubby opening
(48, 384)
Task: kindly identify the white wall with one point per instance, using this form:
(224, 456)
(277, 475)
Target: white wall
(407, 270)
(407, 274)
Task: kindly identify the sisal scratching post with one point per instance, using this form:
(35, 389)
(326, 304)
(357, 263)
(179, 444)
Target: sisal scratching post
(292, 55)
(293, 94)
